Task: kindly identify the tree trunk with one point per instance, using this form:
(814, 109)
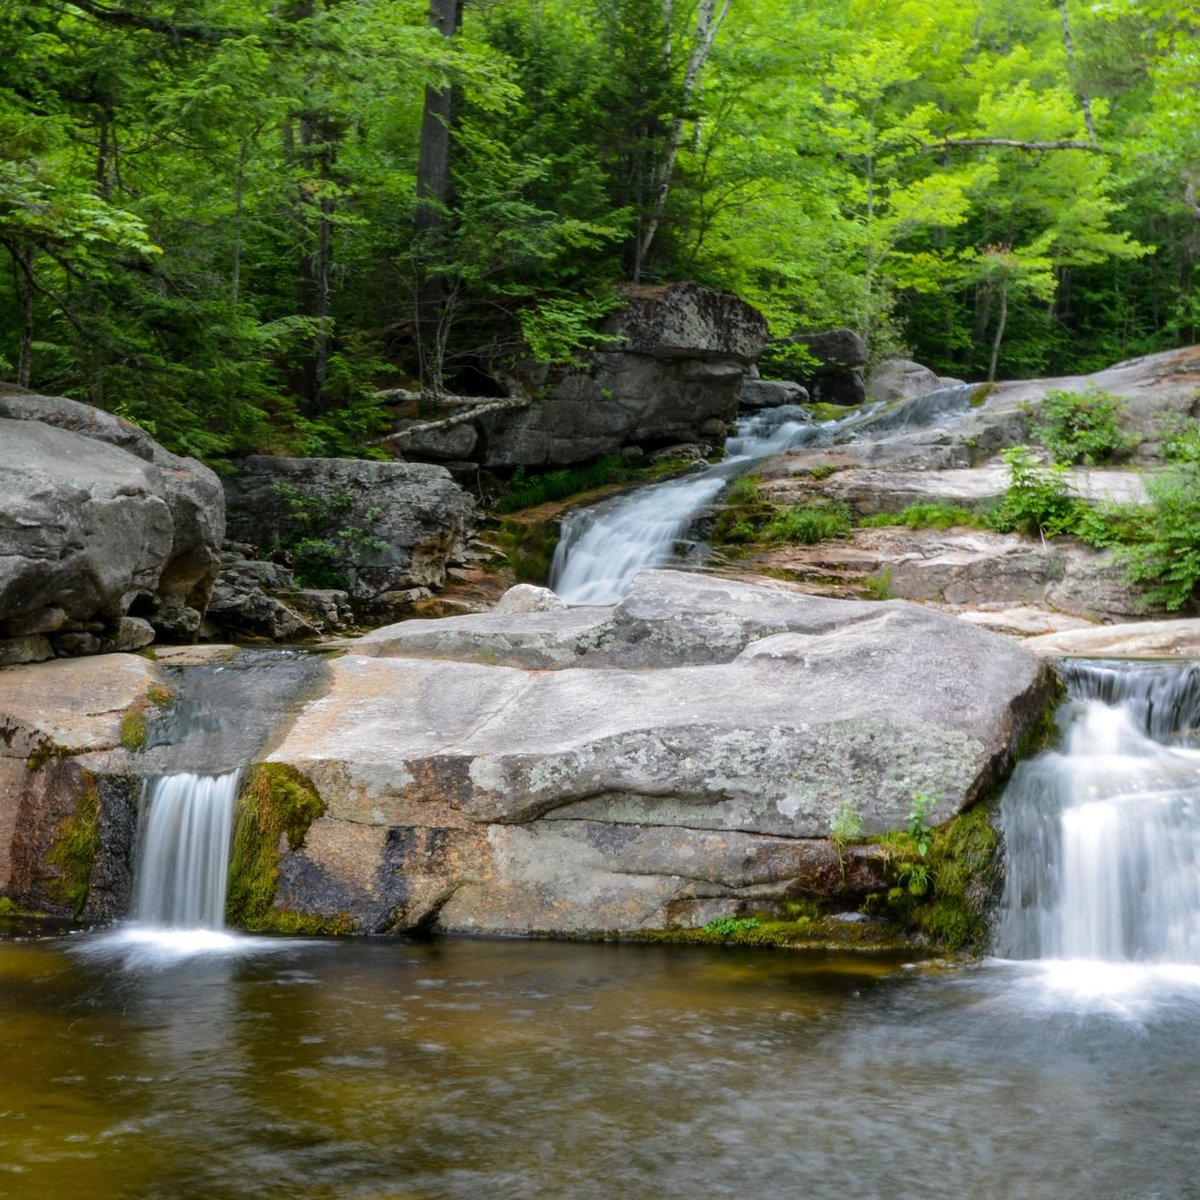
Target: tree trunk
(999, 331)
(433, 203)
(708, 25)
(23, 260)
(1085, 101)
(433, 168)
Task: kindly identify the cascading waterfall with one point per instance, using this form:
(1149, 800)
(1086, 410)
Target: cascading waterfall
(183, 860)
(1103, 837)
(602, 548)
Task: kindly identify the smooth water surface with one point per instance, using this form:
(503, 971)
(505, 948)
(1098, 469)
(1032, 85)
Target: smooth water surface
(489, 1069)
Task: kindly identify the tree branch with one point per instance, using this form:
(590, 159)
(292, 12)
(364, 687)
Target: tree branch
(1011, 144)
(477, 410)
(134, 20)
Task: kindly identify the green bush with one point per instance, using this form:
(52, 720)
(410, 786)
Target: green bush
(1037, 500)
(1082, 427)
(1167, 558)
(528, 492)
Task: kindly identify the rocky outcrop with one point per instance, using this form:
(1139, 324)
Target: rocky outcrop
(105, 537)
(671, 373)
(903, 379)
(841, 358)
(680, 756)
(645, 766)
(382, 532)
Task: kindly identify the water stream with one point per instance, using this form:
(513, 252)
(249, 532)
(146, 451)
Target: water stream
(183, 857)
(601, 548)
(1103, 836)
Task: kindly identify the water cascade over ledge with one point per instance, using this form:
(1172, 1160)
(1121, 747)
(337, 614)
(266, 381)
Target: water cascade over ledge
(603, 547)
(1103, 836)
(183, 859)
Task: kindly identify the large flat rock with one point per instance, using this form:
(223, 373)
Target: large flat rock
(628, 776)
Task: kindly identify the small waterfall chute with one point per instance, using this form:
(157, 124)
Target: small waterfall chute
(183, 856)
(1103, 836)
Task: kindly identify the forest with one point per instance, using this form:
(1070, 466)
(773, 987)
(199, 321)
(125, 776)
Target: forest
(236, 222)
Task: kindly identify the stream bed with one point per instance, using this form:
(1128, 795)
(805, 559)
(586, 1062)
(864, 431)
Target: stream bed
(476, 1068)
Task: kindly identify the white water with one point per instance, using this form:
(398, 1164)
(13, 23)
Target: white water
(602, 548)
(183, 861)
(1103, 838)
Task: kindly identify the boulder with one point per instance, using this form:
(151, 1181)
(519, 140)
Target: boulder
(380, 530)
(676, 365)
(903, 379)
(771, 393)
(838, 376)
(633, 767)
(98, 522)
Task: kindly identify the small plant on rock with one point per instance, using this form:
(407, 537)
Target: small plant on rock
(1082, 427)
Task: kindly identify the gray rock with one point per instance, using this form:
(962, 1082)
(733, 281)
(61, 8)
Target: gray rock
(903, 379)
(771, 393)
(241, 606)
(391, 526)
(191, 492)
(469, 787)
(96, 517)
(838, 378)
(526, 598)
(31, 648)
(673, 374)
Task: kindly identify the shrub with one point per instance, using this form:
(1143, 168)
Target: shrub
(1082, 427)
(1168, 556)
(1037, 500)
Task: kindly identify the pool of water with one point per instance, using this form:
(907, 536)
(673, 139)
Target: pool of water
(240, 1068)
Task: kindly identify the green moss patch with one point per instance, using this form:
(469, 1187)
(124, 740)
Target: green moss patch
(44, 753)
(947, 894)
(74, 853)
(276, 807)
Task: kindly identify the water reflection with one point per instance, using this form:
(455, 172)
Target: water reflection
(474, 1068)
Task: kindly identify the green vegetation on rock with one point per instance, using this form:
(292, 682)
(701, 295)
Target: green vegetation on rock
(1081, 427)
(74, 853)
(277, 804)
(929, 515)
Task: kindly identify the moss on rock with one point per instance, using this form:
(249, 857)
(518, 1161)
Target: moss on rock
(74, 853)
(276, 807)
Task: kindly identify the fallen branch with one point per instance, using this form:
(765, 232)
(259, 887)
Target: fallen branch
(478, 410)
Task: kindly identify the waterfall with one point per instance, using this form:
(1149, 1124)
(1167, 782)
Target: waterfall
(602, 548)
(183, 860)
(1103, 836)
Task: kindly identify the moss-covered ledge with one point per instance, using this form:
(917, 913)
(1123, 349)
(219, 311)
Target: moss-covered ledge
(276, 806)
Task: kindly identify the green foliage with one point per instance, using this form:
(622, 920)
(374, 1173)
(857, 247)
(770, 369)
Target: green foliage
(808, 523)
(1181, 443)
(932, 515)
(1166, 559)
(530, 547)
(277, 803)
(74, 852)
(919, 828)
(731, 926)
(1037, 501)
(529, 491)
(846, 827)
(1081, 427)
(322, 548)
